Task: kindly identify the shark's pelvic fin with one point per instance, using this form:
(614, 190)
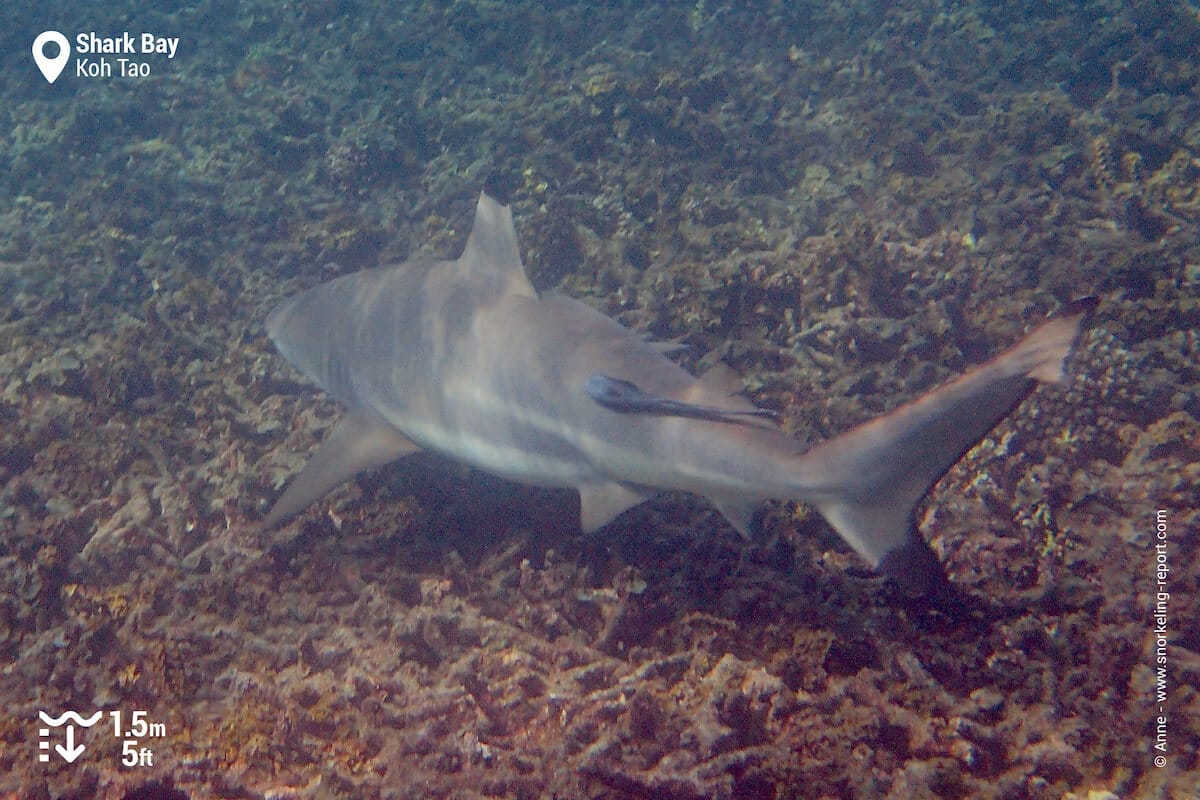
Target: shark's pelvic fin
(600, 503)
(359, 442)
(875, 474)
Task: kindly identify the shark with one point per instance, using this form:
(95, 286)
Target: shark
(466, 359)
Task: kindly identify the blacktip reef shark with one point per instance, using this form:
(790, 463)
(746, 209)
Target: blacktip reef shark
(464, 358)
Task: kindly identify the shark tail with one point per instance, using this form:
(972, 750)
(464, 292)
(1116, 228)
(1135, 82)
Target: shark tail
(868, 481)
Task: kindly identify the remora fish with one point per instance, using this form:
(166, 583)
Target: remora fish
(466, 359)
(623, 396)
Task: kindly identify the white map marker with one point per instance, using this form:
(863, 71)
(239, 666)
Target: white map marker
(51, 67)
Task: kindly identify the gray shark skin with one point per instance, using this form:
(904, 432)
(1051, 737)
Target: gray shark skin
(464, 358)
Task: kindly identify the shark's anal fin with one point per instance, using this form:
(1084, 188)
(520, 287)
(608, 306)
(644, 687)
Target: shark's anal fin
(874, 475)
(359, 442)
(738, 511)
(601, 503)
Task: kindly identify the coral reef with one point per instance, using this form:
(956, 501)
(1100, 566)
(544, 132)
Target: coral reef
(849, 203)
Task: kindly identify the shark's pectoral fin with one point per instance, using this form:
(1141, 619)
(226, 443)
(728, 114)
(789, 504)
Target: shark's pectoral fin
(738, 511)
(600, 503)
(359, 442)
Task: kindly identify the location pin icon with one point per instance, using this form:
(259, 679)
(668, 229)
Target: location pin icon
(51, 67)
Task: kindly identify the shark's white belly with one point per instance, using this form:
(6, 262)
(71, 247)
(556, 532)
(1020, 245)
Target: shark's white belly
(478, 445)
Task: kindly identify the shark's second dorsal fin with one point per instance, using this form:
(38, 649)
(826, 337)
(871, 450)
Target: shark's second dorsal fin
(722, 385)
(492, 250)
(721, 378)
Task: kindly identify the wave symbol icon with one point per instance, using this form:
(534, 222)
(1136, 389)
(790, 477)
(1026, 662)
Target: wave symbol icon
(86, 722)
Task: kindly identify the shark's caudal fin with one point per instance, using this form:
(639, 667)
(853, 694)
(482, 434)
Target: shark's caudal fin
(874, 475)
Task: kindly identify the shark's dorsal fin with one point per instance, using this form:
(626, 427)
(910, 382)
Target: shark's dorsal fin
(492, 251)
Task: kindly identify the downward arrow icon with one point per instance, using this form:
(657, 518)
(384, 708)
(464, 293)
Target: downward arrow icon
(71, 751)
